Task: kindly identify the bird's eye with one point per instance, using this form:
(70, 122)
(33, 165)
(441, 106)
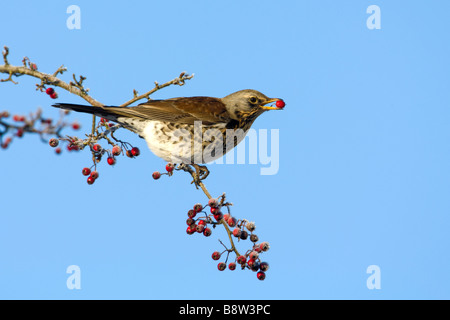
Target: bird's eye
(253, 100)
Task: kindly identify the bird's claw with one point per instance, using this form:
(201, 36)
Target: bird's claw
(200, 173)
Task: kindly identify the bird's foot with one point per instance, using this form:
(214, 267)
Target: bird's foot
(200, 173)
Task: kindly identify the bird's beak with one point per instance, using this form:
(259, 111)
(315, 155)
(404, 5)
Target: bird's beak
(264, 107)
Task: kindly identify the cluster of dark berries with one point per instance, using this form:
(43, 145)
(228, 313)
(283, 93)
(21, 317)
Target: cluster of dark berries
(251, 259)
(52, 93)
(169, 171)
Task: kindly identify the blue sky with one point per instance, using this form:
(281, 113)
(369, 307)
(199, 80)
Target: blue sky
(364, 151)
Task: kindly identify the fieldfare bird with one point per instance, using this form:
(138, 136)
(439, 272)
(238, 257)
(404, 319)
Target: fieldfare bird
(189, 130)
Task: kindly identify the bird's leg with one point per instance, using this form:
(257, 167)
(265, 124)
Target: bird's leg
(200, 173)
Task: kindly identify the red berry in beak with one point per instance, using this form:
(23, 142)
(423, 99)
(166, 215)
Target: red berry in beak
(280, 104)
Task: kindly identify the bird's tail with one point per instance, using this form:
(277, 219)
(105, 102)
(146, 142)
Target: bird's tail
(109, 113)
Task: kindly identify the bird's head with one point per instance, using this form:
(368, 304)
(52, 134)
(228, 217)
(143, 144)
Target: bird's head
(249, 103)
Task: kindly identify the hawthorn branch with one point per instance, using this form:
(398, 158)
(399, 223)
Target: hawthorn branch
(180, 81)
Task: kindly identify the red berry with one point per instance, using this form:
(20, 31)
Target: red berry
(261, 275)
(75, 126)
(200, 228)
(198, 207)
(192, 213)
(72, 147)
(218, 216)
(53, 142)
(129, 154)
(253, 255)
(116, 150)
(214, 210)
(264, 266)
(190, 229)
(54, 95)
(111, 161)
(49, 91)
(202, 222)
(232, 266)
(19, 133)
(207, 232)
(103, 120)
(264, 246)
(97, 147)
(90, 180)
(18, 118)
(280, 104)
(156, 175)
(58, 150)
(190, 221)
(216, 255)
(237, 232)
(135, 151)
(170, 167)
(251, 262)
(241, 259)
(86, 171)
(231, 221)
(94, 175)
(213, 203)
(222, 266)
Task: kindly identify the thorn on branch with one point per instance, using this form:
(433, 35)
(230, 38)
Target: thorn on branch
(61, 70)
(5, 55)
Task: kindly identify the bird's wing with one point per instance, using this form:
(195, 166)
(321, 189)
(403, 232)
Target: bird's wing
(180, 110)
